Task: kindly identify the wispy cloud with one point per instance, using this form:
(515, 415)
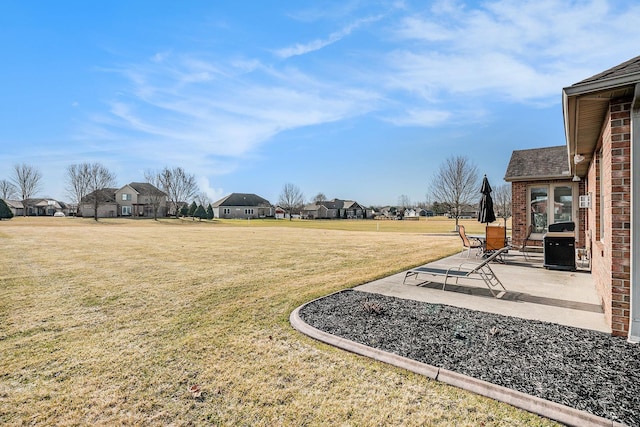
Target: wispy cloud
(522, 52)
(304, 48)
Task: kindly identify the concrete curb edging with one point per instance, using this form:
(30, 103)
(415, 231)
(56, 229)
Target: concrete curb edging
(555, 411)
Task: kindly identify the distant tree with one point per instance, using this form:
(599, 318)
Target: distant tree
(179, 186)
(184, 210)
(203, 199)
(404, 201)
(502, 202)
(320, 197)
(456, 183)
(291, 198)
(200, 212)
(210, 212)
(192, 208)
(8, 191)
(155, 198)
(78, 181)
(99, 182)
(5, 212)
(27, 180)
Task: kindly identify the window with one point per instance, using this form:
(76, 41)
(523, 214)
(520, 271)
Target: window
(126, 196)
(126, 211)
(226, 211)
(550, 204)
(248, 211)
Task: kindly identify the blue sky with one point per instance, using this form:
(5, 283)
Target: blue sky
(355, 99)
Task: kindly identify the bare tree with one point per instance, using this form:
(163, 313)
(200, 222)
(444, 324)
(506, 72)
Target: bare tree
(179, 186)
(502, 201)
(156, 196)
(203, 199)
(27, 180)
(99, 183)
(78, 181)
(456, 183)
(291, 198)
(404, 201)
(7, 190)
(320, 197)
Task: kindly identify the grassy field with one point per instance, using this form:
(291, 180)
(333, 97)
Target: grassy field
(110, 323)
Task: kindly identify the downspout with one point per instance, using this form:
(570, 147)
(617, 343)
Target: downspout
(634, 315)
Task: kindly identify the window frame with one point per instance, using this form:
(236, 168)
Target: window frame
(550, 187)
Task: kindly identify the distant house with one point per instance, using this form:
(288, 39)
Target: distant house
(242, 206)
(137, 199)
(16, 207)
(108, 207)
(44, 207)
(335, 209)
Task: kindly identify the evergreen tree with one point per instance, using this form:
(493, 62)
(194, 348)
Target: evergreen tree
(192, 209)
(210, 211)
(184, 210)
(5, 212)
(200, 212)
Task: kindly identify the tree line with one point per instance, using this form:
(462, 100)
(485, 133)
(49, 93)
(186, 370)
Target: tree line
(92, 183)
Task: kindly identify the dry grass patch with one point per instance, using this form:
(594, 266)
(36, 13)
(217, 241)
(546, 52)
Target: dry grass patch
(111, 323)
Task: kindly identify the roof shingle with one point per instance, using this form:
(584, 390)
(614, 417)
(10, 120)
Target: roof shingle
(538, 163)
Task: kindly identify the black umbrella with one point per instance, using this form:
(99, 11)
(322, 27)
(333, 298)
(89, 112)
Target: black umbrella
(486, 214)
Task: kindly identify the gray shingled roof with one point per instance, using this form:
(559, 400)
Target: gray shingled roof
(538, 163)
(241, 199)
(145, 188)
(631, 66)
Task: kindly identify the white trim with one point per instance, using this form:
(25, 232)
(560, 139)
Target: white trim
(634, 314)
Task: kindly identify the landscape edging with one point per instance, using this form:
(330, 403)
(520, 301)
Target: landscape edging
(555, 411)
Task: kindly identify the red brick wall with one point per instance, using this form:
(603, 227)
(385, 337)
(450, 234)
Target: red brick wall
(611, 239)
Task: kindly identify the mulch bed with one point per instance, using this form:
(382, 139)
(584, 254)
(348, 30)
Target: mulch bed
(584, 369)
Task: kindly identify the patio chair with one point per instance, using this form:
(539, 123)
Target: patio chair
(528, 243)
(496, 238)
(469, 243)
(480, 271)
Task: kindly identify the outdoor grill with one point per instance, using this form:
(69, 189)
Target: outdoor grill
(560, 247)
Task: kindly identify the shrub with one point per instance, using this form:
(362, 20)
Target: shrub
(5, 212)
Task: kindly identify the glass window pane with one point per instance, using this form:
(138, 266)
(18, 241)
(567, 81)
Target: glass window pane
(539, 202)
(563, 204)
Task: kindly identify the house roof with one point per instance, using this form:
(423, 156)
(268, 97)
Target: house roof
(106, 195)
(16, 204)
(538, 164)
(145, 188)
(241, 199)
(586, 104)
(631, 66)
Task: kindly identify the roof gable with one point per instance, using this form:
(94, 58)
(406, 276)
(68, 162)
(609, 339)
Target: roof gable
(538, 164)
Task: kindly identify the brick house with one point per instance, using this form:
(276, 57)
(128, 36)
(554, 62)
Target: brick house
(136, 199)
(601, 156)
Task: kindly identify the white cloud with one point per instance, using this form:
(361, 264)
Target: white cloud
(303, 48)
(518, 51)
(422, 118)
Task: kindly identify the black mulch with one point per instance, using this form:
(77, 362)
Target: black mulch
(588, 370)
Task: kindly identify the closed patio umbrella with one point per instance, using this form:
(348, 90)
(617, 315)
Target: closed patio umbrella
(486, 214)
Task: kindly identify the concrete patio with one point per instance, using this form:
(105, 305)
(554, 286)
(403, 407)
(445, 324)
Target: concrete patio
(533, 292)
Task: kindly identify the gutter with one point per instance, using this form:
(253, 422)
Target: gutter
(634, 314)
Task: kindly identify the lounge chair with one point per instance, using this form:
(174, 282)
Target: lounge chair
(481, 271)
(469, 243)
